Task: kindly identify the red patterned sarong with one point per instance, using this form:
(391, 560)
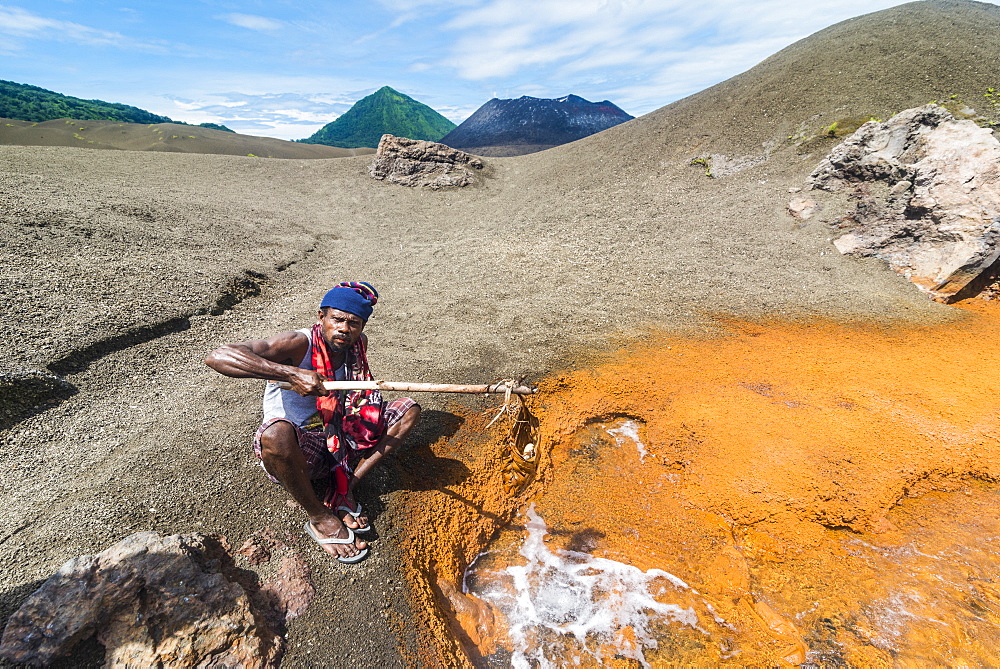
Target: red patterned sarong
(319, 460)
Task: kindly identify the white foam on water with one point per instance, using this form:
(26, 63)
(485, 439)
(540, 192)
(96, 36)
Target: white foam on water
(892, 617)
(560, 597)
(629, 429)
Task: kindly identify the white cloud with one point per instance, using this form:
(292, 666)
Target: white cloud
(252, 22)
(201, 104)
(302, 117)
(281, 115)
(545, 15)
(275, 129)
(18, 22)
(555, 32)
(457, 114)
(412, 6)
(681, 73)
(640, 54)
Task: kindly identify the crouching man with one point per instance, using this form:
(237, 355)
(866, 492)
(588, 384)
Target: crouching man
(311, 433)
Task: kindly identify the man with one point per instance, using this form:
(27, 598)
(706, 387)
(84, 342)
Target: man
(312, 433)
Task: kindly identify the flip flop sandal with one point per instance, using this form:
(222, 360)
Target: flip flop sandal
(355, 514)
(311, 531)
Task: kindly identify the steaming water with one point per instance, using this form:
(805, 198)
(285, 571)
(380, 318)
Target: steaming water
(570, 605)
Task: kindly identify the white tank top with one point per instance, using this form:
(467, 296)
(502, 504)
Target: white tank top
(288, 404)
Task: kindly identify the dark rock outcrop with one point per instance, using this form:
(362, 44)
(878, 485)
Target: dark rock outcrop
(928, 192)
(532, 124)
(412, 162)
(157, 601)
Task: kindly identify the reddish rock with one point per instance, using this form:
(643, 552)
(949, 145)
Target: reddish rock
(257, 549)
(254, 551)
(153, 601)
(801, 208)
(291, 590)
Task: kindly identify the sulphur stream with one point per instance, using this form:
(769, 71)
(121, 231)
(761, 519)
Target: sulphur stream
(925, 595)
(785, 493)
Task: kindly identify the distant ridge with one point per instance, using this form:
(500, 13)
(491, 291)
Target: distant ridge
(31, 103)
(162, 137)
(384, 111)
(527, 124)
(24, 102)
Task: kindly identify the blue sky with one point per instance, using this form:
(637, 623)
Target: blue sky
(285, 68)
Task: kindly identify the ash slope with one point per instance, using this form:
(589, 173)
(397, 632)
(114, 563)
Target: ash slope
(873, 65)
(560, 252)
(168, 137)
(527, 124)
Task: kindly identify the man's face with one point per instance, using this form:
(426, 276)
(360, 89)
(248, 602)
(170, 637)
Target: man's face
(340, 329)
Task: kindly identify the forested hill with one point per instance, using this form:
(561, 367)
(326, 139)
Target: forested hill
(384, 111)
(24, 102)
(31, 103)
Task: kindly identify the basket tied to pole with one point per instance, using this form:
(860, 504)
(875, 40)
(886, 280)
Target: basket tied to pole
(523, 452)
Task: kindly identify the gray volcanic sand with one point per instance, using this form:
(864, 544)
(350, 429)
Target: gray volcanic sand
(114, 262)
(169, 137)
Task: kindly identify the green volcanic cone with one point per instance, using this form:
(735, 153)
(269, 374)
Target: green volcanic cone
(384, 111)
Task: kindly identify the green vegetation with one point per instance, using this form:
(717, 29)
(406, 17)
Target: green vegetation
(24, 102)
(961, 110)
(846, 126)
(384, 111)
(31, 103)
(990, 118)
(704, 161)
(809, 139)
(214, 126)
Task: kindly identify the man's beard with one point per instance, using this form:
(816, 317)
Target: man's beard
(338, 344)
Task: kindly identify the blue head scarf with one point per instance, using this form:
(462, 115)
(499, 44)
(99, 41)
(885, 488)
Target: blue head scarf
(353, 297)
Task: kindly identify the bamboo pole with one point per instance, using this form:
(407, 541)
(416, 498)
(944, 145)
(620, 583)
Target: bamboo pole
(498, 387)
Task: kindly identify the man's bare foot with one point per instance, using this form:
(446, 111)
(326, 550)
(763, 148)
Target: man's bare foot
(331, 527)
(357, 522)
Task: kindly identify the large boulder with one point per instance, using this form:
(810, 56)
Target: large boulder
(928, 193)
(153, 601)
(412, 162)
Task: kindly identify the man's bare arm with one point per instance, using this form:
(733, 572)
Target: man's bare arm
(273, 359)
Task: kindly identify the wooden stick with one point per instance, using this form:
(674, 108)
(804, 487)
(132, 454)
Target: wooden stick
(498, 387)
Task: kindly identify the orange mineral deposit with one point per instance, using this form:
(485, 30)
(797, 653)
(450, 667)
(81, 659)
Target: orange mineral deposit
(785, 492)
